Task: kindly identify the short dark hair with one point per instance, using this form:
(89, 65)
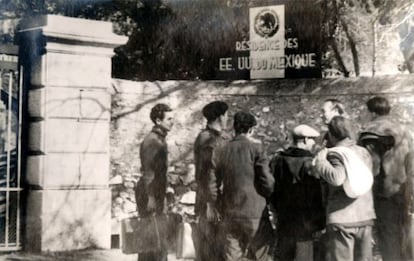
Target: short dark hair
(243, 121)
(337, 104)
(158, 111)
(379, 105)
(340, 128)
(214, 109)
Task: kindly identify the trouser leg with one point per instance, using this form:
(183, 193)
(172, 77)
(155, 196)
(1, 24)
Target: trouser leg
(233, 248)
(285, 249)
(304, 250)
(239, 235)
(389, 229)
(341, 244)
(209, 241)
(153, 256)
(363, 244)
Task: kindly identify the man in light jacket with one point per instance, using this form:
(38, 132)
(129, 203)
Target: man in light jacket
(349, 220)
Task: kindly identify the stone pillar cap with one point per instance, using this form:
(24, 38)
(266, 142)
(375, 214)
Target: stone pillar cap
(77, 29)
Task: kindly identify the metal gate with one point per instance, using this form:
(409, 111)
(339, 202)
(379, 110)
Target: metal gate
(10, 148)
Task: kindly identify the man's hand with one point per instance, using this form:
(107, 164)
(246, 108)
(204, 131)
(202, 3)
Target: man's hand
(320, 157)
(151, 204)
(211, 213)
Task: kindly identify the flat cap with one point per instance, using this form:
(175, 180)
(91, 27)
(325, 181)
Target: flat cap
(305, 131)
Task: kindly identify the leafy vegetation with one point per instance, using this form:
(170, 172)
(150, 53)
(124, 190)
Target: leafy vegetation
(183, 39)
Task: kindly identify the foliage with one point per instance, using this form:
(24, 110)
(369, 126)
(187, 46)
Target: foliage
(196, 37)
(183, 39)
(356, 22)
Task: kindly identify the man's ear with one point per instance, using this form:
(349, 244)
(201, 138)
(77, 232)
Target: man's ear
(221, 117)
(157, 121)
(388, 141)
(340, 109)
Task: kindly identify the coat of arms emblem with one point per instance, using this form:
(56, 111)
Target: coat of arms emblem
(266, 23)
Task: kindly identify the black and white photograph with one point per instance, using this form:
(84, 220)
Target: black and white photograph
(207, 130)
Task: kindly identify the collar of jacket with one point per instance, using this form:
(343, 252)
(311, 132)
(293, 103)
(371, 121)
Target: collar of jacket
(240, 137)
(157, 130)
(296, 152)
(385, 126)
(295, 159)
(247, 138)
(214, 131)
(345, 142)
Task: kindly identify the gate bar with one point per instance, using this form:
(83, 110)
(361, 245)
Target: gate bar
(19, 153)
(9, 115)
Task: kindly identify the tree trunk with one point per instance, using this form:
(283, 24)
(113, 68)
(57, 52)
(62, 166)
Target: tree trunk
(352, 44)
(331, 21)
(374, 48)
(338, 56)
(405, 30)
(410, 64)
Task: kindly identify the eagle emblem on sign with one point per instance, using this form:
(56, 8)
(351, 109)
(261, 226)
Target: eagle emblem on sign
(266, 23)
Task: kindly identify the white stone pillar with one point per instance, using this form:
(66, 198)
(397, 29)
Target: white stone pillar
(68, 70)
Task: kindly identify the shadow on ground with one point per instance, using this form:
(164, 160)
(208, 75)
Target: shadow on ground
(84, 255)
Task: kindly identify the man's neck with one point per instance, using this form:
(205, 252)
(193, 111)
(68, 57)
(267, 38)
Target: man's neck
(159, 130)
(377, 116)
(300, 146)
(215, 126)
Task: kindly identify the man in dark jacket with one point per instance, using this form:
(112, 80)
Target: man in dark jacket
(247, 182)
(151, 188)
(297, 197)
(207, 144)
(391, 147)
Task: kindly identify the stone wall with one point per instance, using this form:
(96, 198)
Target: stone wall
(279, 105)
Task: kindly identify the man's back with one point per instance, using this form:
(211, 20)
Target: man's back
(205, 157)
(242, 167)
(340, 207)
(297, 196)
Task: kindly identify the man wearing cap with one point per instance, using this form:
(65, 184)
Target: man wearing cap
(391, 147)
(349, 217)
(246, 183)
(297, 197)
(209, 243)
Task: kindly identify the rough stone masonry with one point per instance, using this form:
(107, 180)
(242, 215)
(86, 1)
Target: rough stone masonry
(279, 105)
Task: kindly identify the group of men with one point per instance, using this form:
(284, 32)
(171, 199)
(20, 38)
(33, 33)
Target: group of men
(250, 207)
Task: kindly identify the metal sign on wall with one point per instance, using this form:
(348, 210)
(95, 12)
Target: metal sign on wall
(267, 34)
(284, 42)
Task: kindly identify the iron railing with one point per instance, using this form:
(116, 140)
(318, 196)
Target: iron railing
(10, 160)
